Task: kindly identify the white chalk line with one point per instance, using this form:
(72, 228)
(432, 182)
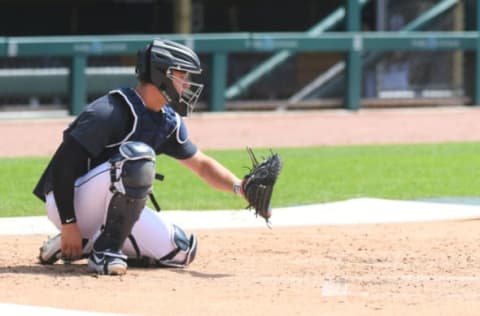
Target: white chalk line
(349, 212)
(29, 310)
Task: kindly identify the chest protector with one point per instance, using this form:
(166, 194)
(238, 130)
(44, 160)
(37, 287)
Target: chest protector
(151, 128)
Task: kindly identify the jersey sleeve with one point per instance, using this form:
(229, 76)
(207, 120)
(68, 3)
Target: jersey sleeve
(179, 145)
(68, 163)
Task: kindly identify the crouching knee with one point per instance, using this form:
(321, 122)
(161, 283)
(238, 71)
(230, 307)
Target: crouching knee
(184, 252)
(181, 252)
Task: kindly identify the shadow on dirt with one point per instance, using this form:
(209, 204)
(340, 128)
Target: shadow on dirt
(54, 269)
(80, 269)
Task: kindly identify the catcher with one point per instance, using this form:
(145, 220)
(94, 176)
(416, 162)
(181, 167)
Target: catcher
(97, 183)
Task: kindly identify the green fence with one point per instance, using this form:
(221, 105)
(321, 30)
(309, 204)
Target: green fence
(79, 48)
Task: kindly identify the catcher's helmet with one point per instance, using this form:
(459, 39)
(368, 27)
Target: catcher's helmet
(155, 63)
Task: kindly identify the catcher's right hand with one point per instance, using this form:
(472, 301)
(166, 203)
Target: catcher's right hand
(258, 184)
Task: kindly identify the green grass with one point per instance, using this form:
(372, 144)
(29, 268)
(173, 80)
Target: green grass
(310, 175)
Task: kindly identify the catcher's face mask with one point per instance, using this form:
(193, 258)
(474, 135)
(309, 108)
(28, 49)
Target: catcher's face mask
(188, 90)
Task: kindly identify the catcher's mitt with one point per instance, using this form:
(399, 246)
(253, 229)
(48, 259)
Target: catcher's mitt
(258, 184)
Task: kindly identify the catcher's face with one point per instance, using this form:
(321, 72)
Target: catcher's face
(188, 91)
(180, 81)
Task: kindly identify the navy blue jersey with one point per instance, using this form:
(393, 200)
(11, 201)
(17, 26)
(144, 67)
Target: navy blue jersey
(115, 118)
(121, 116)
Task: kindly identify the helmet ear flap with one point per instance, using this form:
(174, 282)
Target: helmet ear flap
(142, 68)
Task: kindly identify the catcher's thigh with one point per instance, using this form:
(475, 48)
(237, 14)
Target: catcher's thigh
(91, 199)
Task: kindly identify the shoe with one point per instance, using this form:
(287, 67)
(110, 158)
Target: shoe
(51, 250)
(108, 262)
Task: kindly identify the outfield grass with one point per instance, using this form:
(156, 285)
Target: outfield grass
(310, 175)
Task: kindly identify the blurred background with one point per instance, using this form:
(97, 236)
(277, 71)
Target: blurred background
(54, 54)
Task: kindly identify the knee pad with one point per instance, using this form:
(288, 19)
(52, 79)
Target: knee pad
(133, 170)
(132, 174)
(184, 252)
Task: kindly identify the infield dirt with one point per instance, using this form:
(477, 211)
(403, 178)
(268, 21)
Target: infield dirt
(394, 269)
